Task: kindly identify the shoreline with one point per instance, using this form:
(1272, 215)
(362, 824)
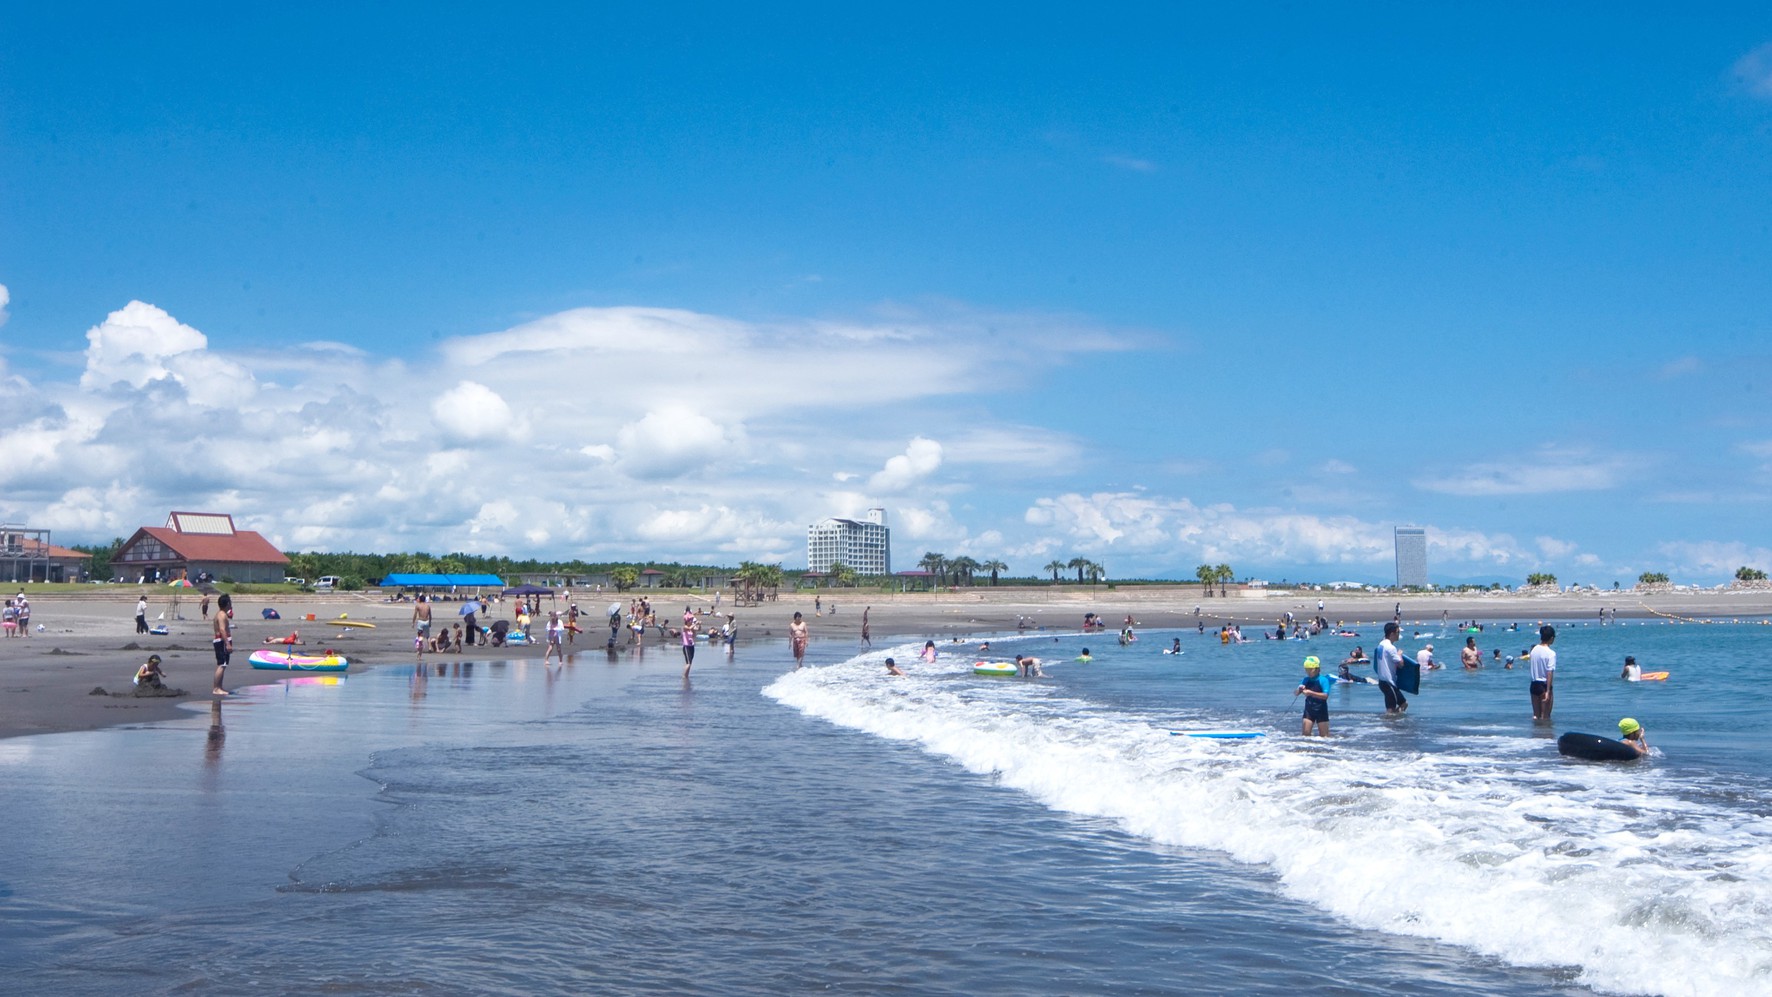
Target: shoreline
(89, 640)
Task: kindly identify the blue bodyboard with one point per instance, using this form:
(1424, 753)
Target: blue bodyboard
(1409, 676)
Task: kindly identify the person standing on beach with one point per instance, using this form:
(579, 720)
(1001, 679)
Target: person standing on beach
(556, 630)
(799, 637)
(866, 634)
(141, 615)
(688, 640)
(1543, 663)
(421, 622)
(203, 605)
(222, 640)
(1386, 659)
(472, 621)
(22, 610)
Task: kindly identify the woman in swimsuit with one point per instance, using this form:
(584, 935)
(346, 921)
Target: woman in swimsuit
(799, 637)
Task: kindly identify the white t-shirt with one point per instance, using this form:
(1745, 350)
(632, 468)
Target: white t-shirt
(1385, 659)
(1543, 661)
(1424, 658)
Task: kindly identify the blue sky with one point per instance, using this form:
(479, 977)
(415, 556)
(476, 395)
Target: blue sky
(1154, 288)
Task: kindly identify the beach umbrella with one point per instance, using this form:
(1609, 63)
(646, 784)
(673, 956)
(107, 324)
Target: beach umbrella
(615, 609)
(468, 608)
(180, 583)
(529, 590)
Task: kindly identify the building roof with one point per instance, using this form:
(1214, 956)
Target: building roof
(243, 547)
(36, 548)
(213, 523)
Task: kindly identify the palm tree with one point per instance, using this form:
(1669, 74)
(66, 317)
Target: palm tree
(1207, 574)
(1079, 564)
(963, 568)
(993, 566)
(1055, 567)
(1096, 572)
(771, 578)
(1224, 574)
(935, 564)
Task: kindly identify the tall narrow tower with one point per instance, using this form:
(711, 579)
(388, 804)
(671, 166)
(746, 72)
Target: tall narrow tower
(1411, 557)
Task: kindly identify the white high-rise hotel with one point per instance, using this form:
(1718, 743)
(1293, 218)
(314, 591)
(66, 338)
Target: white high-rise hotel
(865, 546)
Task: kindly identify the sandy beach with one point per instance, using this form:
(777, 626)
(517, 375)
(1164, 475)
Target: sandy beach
(89, 642)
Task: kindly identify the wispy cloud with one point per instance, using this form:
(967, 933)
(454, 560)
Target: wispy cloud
(1132, 163)
(1754, 71)
(1680, 368)
(1145, 527)
(1548, 470)
(1714, 558)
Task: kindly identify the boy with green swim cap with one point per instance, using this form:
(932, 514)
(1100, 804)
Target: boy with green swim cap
(1316, 698)
(1633, 735)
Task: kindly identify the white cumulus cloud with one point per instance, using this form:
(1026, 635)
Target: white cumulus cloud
(672, 442)
(471, 412)
(920, 459)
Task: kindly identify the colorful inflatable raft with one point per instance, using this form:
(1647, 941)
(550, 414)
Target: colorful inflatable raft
(281, 661)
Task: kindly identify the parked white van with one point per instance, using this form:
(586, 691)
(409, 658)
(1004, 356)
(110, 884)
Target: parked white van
(326, 583)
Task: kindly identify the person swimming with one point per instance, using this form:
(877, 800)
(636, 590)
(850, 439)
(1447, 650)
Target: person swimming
(1631, 672)
(1084, 657)
(1633, 735)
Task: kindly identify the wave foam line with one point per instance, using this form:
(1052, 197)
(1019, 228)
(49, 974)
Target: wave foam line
(1508, 853)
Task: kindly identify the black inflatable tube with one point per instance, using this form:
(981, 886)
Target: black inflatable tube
(1595, 748)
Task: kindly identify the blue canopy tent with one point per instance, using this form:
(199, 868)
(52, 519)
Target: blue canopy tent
(417, 581)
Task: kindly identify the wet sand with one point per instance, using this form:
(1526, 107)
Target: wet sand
(89, 639)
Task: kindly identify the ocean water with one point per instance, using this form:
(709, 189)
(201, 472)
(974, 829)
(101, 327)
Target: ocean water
(606, 828)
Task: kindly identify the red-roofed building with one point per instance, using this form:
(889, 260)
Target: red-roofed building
(197, 544)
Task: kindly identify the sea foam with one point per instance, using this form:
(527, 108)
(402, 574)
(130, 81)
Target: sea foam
(1637, 881)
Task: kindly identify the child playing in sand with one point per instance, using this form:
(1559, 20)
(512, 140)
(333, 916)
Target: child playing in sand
(149, 674)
